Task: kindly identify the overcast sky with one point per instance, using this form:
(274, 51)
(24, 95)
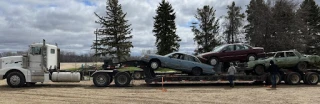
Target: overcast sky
(71, 23)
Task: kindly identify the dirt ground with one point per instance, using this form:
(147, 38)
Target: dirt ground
(140, 93)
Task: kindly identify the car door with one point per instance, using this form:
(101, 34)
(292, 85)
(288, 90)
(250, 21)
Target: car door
(174, 61)
(292, 59)
(280, 59)
(240, 52)
(187, 64)
(228, 53)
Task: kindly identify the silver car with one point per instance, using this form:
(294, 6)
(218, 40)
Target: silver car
(179, 61)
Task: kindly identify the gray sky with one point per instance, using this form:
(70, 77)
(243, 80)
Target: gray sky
(70, 23)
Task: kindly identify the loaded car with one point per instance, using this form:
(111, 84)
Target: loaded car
(230, 53)
(179, 61)
(291, 59)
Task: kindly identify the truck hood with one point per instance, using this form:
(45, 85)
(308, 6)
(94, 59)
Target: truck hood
(11, 61)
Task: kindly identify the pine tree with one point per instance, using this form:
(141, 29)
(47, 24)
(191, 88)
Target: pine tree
(308, 13)
(165, 29)
(234, 22)
(259, 19)
(114, 32)
(207, 30)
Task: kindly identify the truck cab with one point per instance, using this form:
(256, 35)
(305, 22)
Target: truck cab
(40, 64)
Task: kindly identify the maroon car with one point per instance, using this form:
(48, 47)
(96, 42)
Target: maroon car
(231, 52)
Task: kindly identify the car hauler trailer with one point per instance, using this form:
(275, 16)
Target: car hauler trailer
(41, 64)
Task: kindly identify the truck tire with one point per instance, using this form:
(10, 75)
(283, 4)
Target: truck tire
(122, 79)
(259, 69)
(196, 71)
(101, 79)
(137, 75)
(311, 78)
(269, 79)
(293, 78)
(15, 79)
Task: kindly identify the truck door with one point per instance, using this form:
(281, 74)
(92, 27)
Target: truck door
(37, 74)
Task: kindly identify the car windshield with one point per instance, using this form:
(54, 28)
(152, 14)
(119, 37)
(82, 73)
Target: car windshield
(167, 55)
(218, 48)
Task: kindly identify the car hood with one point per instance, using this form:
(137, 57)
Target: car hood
(205, 54)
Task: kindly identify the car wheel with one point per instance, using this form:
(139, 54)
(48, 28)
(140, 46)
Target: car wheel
(213, 61)
(16, 79)
(293, 78)
(259, 69)
(196, 71)
(302, 66)
(154, 64)
(251, 57)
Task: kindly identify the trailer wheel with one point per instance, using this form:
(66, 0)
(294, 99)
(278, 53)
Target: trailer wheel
(196, 71)
(259, 69)
(269, 79)
(101, 79)
(293, 78)
(311, 78)
(137, 75)
(122, 79)
(15, 79)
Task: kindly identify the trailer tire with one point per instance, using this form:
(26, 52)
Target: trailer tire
(15, 79)
(137, 75)
(101, 79)
(196, 71)
(311, 78)
(293, 78)
(122, 79)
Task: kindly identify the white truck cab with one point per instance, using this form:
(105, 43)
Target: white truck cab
(41, 64)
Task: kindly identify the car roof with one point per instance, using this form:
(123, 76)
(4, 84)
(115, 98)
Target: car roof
(183, 53)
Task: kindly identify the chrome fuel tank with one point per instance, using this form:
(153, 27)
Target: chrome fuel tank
(65, 77)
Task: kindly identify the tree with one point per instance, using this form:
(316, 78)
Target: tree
(233, 23)
(308, 13)
(207, 31)
(259, 24)
(165, 29)
(114, 32)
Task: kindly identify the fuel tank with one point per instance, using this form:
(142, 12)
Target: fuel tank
(65, 77)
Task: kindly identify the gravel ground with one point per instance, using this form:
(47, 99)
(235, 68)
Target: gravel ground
(140, 93)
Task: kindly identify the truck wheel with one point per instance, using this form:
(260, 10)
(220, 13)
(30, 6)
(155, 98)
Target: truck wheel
(269, 79)
(137, 75)
(154, 64)
(196, 71)
(15, 79)
(213, 61)
(311, 78)
(259, 69)
(122, 79)
(302, 66)
(293, 78)
(101, 79)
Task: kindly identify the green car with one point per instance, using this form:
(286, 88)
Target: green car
(285, 59)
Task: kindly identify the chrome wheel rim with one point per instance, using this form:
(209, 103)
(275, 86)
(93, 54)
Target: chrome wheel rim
(154, 65)
(213, 61)
(15, 80)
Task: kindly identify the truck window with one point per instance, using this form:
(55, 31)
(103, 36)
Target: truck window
(36, 50)
(290, 54)
(52, 51)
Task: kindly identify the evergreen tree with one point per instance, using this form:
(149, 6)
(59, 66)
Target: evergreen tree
(114, 32)
(309, 14)
(165, 29)
(259, 19)
(234, 22)
(207, 30)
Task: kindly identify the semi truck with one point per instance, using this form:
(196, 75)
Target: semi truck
(42, 64)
